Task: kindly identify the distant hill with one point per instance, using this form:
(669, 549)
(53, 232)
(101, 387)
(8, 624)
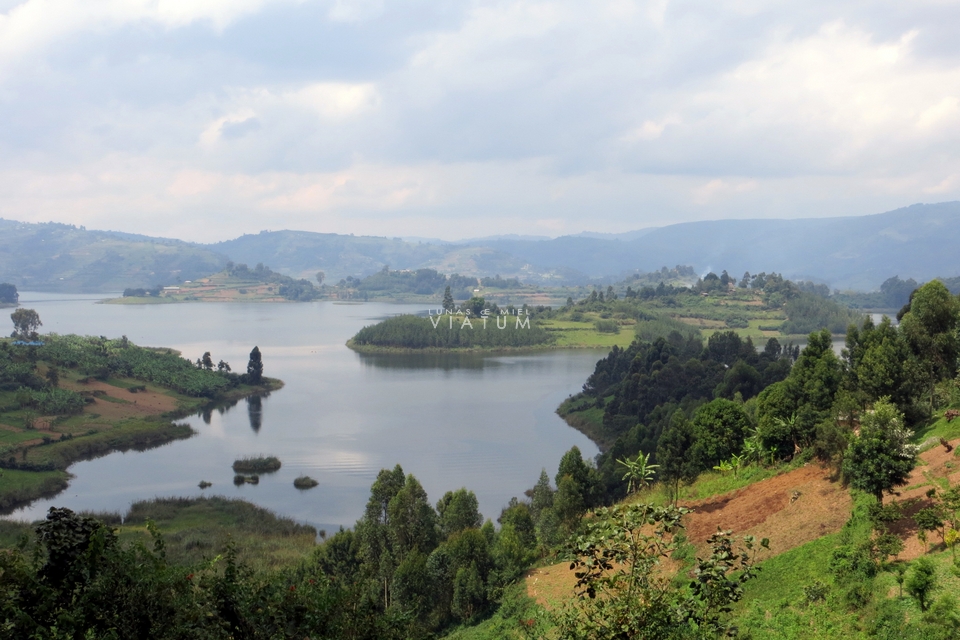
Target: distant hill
(859, 253)
(920, 242)
(303, 253)
(60, 257)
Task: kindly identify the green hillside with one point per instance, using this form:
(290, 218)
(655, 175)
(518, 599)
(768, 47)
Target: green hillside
(60, 257)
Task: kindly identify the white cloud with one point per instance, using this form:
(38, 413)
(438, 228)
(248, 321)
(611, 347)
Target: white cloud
(336, 100)
(412, 117)
(355, 10)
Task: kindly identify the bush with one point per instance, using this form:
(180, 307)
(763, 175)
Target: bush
(607, 326)
(305, 482)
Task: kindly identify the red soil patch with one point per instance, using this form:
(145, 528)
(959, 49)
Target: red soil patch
(131, 405)
(790, 509)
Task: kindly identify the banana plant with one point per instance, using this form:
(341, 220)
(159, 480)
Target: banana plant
(639, 472)
(723, 467)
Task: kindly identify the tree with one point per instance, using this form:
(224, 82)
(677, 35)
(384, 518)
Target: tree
(922, 581)
(8, 293)
(568, 502)
(881, 457)
(207, 362)
(719, 428)
(25, 323)
(803, 400)
(541, 496)
(412, 520)
(255, 367)
(448, 303)
(673, 453)
(930, 328)
(458, 510)
(320, 278)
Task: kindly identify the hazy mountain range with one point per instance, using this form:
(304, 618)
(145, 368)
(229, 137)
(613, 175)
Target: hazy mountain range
(857, 252)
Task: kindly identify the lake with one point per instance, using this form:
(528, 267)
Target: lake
(485, 422)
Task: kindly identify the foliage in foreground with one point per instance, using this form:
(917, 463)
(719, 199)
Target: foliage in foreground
(623, 592)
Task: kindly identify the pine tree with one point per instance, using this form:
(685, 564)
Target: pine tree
(255, 367)
(448, 300)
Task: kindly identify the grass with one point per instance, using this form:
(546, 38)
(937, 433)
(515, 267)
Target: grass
(18, 488)
(12, 531)
(939, 428)
(137, 435)
(257, 464)
(714, 483)
(584, 334)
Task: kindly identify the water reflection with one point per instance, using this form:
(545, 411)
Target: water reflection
(255, 412)
(441, 361)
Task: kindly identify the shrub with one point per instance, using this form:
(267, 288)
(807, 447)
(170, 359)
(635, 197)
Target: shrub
(607, 326)
(305, 482)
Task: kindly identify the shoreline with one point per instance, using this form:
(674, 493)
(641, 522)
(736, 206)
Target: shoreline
(50, 475)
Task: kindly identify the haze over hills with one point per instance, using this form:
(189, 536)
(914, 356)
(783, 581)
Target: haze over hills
(859, 252)
(61, 257)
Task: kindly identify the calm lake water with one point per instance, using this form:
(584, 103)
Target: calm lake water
(483, 422)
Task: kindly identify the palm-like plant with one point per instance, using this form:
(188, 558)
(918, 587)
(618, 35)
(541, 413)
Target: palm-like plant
(639, 472)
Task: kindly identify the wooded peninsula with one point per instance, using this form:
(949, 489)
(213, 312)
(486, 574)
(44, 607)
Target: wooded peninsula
(69, 398)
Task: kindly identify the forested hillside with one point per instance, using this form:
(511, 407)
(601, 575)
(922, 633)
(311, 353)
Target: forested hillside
(857, 252)
(59, 257)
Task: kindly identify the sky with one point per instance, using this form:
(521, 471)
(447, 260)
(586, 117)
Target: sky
(206, 119)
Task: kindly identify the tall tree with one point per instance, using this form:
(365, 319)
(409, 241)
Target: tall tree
(255, 367)
(412, 521)
(374, 529)
(674, 451)
(25, 323)
(448, 299)
(458, 510)
(930, 328)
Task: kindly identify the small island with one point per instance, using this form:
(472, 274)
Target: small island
(69, 398)
(257, 464)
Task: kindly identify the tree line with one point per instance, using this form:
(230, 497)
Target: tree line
(692, 406)
(453, 332)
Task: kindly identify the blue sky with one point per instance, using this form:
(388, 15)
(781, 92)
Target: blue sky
(205, 119)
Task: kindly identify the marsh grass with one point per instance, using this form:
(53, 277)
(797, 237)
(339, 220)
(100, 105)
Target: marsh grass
(257, 464)
(198, 528)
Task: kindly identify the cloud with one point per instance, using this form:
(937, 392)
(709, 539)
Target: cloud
(434, 119)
